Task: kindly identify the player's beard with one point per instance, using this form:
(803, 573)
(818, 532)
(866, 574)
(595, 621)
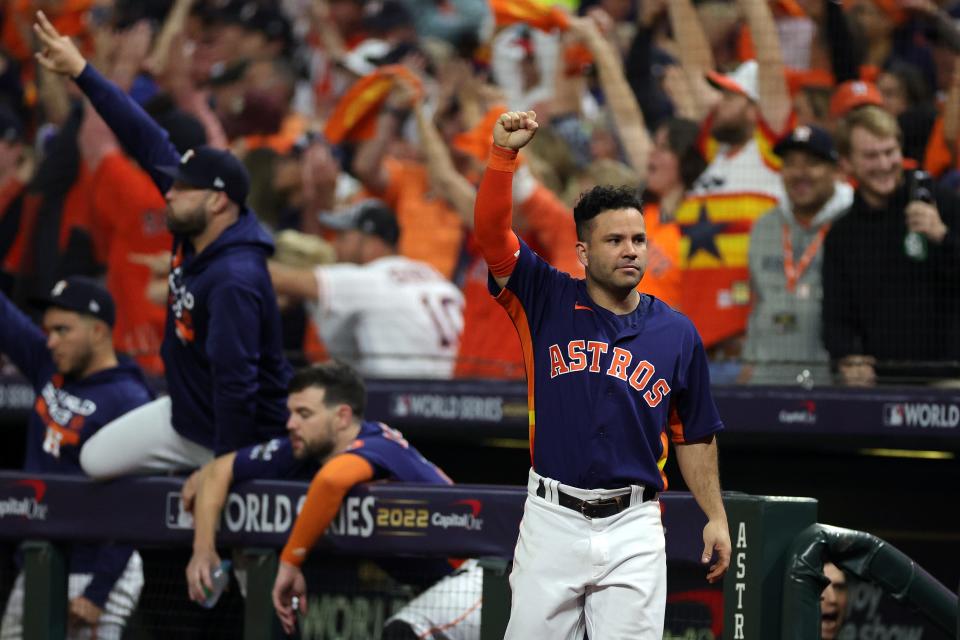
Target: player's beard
(75, 369)
(190, 223)
(730, 133)
(318, 449)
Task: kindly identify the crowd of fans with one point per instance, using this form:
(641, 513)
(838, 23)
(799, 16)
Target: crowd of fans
(340, 106)
(798, 162)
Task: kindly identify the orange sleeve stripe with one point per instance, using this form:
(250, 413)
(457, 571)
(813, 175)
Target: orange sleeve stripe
(676, 426)
(324, 496)
(492, 213)
(518, 315)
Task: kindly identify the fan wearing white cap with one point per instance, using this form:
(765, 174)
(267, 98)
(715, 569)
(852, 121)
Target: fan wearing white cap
(748, 109)
(388, 315)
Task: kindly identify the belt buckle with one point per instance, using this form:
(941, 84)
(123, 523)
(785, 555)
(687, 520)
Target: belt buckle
(601, 502)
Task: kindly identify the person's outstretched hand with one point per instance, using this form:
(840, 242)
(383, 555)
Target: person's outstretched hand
(58, 53)
(515, 129)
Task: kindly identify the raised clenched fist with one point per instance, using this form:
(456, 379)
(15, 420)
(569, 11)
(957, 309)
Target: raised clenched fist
(515, 129)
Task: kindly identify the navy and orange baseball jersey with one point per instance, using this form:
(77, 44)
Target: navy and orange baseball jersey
(387, 452)
(605, 391)
(378, 453)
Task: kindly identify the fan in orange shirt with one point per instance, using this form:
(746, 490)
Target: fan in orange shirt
(675, 163)
(431, 229)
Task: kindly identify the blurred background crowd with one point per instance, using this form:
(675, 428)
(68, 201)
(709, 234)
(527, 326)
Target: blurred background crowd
(797, 159)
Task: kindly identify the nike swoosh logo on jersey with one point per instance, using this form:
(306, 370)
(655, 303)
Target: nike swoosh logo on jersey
(580, 307)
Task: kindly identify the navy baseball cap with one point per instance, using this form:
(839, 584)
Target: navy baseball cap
(371, 217)
(82, 295)
(813, 140)
(208, 168)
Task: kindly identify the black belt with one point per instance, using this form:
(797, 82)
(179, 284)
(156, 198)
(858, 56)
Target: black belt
(603, 508)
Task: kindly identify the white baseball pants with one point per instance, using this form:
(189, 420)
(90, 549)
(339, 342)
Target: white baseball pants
(607, 576)
(449, 609)
(117, 609)
(142, 441)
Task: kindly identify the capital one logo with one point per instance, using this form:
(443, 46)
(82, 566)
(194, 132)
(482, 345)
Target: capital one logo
(28, 507)
(469, 521)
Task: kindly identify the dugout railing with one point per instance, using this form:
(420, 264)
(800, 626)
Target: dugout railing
(478, 521)
(864, 556)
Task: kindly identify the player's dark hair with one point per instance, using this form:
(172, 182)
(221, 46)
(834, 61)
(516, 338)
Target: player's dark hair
(599, 199)
(340, 382)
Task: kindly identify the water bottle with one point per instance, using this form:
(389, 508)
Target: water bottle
(220, 577)
(921, 188)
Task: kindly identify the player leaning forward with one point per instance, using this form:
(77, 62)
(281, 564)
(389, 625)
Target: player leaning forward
(612, 374)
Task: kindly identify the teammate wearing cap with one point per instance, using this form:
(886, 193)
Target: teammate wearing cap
(784, 336)
(612, 375)
(390, 315)
(222, 351)
(80, 386)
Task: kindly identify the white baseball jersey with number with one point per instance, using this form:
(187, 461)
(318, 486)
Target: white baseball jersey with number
(391, 318)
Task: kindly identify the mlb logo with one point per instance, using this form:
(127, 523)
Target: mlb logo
(893, 415)
(401, 406)
(177, 517)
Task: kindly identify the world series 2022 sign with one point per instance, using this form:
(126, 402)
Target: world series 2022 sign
(390, 518)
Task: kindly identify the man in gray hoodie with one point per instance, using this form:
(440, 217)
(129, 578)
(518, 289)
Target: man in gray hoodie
(784, 344)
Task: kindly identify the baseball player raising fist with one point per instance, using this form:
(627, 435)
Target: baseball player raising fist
(613, 376)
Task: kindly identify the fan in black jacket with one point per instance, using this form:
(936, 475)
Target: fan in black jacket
(891, 272)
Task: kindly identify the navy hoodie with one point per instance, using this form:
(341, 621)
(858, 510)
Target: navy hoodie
(222, 347)
(66, 413)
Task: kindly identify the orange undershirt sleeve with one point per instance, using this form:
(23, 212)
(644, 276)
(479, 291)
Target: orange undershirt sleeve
(492, 213)
(324, 496)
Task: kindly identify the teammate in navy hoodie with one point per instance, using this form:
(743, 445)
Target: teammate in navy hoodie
(222, 348)
(80, 386)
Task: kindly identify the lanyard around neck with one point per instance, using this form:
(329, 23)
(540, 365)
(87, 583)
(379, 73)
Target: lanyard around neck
(794, 271)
